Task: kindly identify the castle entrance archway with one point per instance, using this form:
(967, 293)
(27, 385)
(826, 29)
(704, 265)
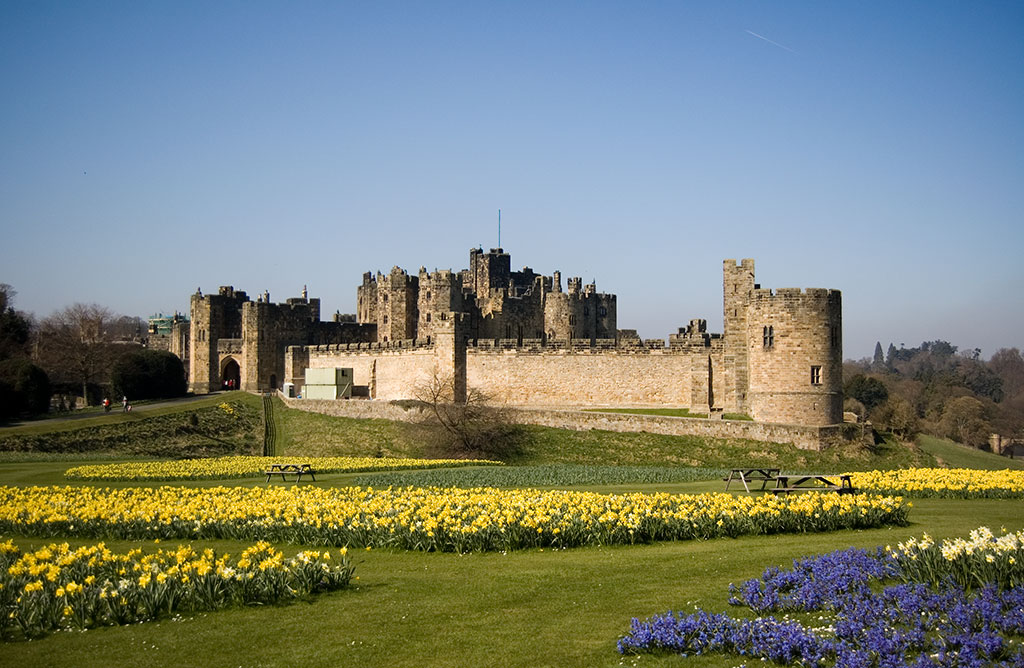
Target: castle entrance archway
(230, 375)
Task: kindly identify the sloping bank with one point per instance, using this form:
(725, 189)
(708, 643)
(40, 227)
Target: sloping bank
(803, 437)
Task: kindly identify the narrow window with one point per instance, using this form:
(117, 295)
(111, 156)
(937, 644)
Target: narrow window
(385, 320)
(428, 317)
(815, 375)
(586, 310)
(769, 336)
(603, 311)
(834, 335)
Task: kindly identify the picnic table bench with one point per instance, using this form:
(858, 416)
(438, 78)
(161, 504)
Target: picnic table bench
(765, 475)
(800, 482)
(297, 470)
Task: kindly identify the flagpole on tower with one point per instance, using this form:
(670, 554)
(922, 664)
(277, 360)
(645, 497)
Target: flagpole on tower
(499, 228)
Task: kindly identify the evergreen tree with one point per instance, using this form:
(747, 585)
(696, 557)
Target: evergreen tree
(878, 361)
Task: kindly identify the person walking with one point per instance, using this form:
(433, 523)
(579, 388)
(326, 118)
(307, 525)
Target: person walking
(124, 403)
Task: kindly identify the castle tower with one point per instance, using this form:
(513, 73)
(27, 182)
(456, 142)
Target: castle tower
(366, 299)
(795, 356)
(439, 292)
(489, 271)
(450, 350)
(737, 287)
(397, 301)
(216, 321)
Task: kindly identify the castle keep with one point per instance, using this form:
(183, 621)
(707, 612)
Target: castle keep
(524, 341)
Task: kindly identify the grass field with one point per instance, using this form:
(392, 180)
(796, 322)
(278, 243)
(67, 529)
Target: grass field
(525, 608)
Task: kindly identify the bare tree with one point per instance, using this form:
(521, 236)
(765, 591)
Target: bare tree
(74, 344)
(464, 428)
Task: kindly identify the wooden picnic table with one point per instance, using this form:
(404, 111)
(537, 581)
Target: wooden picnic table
(747, 475)
(297, 470)
(799, 482)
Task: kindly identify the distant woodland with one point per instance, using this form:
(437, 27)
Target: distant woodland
(939, 390)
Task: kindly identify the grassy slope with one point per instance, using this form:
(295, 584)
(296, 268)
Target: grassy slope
(531, 608)
(94, 416)
(955, 455)
(312, 434)
(192, 428)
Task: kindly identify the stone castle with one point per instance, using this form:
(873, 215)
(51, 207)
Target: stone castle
(524, 341)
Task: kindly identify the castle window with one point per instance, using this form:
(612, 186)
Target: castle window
(428, 317)
(572, 320)
(428, 294)
(385, 297)
(603, 311)
(586, 310)
(815, 375)
(769, 336)
(385, 320)
(834, 335)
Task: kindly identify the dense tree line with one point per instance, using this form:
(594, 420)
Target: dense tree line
(937, 389)
(24, 386)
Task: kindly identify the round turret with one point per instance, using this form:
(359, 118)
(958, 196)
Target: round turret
(795, 356)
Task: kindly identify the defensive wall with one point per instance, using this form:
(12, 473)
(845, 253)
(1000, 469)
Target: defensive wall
(535, 374)
(522, 341)
(803, 437)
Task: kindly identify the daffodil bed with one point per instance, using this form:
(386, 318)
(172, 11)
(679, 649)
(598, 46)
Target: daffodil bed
(441, 519)
(57, 587)
(944, 483)
(243, 467)
(958, 604)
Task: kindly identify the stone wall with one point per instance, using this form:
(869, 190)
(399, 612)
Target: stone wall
(805, 438)
(584, 377)
(387, 371)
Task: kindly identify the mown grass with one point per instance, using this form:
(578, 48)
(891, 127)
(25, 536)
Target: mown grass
(527, 608)
(545, 476)
(955, 455)
(95, 417)
(191, 429)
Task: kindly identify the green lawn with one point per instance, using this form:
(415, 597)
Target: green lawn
(528, 608)
(955, 455)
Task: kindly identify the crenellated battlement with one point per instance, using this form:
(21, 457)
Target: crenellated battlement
(792, 293)
(522, 339)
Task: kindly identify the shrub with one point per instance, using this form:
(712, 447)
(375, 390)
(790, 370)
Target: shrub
(149, 374)
(24, 388)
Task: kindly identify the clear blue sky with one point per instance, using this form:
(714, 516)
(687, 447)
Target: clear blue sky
(150, 148)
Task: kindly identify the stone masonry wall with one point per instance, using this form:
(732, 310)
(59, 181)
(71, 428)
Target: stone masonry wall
(390, 372)
(584, 377)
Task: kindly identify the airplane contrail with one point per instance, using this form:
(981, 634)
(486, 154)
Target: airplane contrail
(781, 46)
